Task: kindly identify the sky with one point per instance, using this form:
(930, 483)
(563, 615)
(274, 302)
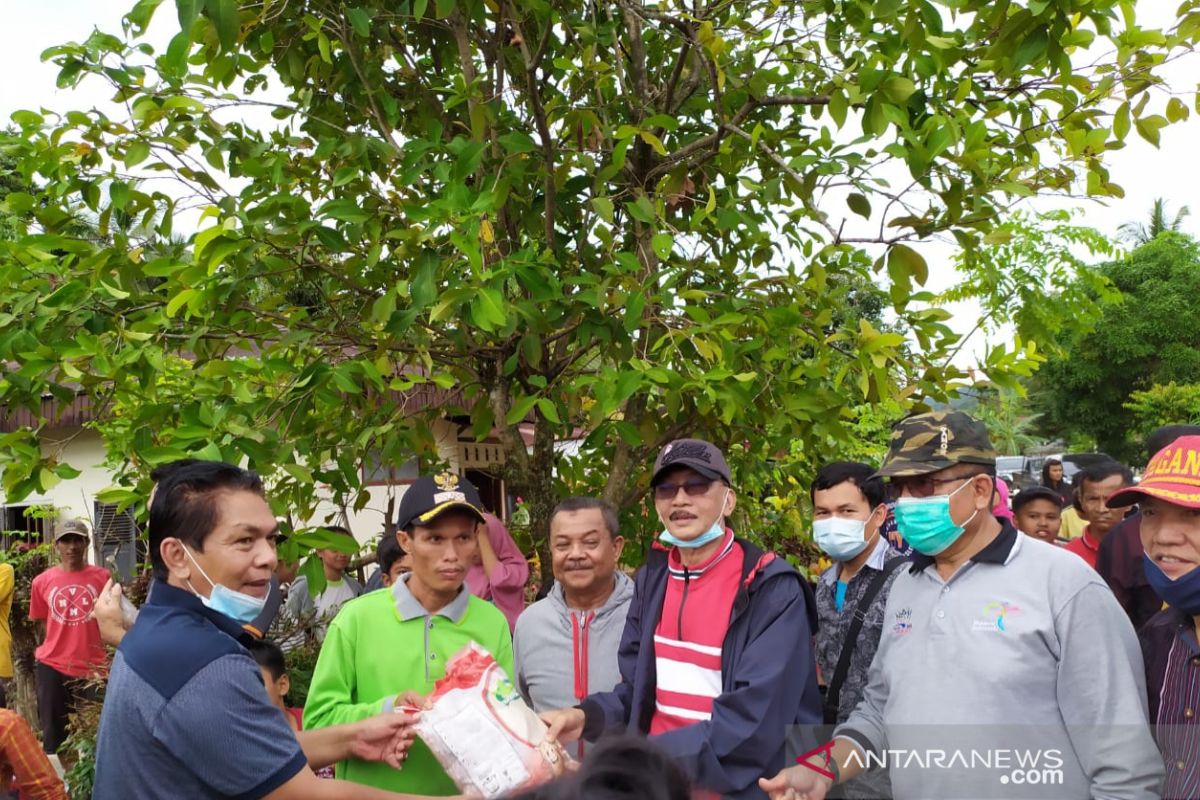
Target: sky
(1170, 171)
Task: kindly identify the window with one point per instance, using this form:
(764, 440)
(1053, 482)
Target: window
(117, 542)
(18, 519)
(375, 472)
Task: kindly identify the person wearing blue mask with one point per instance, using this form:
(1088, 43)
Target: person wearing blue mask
(716, 659)
(1169, 499)
(848, 512)
(185, 697)
(993, 643)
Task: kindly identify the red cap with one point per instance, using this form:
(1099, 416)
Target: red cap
(1173, 475)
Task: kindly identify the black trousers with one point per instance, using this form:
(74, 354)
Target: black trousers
(57, 695)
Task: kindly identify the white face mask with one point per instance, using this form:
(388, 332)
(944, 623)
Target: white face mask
(840, 538)
(237, 606)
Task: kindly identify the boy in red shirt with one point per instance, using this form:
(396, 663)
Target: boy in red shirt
(63, 598)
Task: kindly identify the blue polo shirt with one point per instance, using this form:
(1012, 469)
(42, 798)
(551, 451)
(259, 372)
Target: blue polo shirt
(186, 714)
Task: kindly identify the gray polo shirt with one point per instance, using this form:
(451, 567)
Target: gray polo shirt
(1019, 677)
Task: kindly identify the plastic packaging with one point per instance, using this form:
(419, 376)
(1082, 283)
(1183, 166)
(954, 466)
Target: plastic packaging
(482, 732)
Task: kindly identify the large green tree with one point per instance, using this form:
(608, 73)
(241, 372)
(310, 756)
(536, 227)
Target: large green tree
(1150, 336)
(635, 220)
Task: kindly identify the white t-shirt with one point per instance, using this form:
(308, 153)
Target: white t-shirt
(336, 594)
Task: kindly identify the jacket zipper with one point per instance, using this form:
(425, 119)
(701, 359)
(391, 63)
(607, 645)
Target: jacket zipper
(683, 602)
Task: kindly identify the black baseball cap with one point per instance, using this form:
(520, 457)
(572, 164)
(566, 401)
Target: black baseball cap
(697, 454)
(1026, 496)
(433, 495)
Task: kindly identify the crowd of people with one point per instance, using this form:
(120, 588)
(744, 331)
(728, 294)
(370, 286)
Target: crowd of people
(960, 645)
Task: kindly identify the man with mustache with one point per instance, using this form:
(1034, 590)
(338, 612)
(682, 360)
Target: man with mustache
(716, 659)
(387, 649)
(566, 644)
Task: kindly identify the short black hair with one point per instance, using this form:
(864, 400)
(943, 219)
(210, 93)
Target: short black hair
(1102, 471)
(1161, 437)
(619, 768)
(859, 474)
(162, 471)
(338, 529)
(1027, 496)
(607, 511)
(184, 506)
(269, 656)
(388, 552)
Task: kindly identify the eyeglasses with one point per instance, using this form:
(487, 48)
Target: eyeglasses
(694, 488)
(921, 486)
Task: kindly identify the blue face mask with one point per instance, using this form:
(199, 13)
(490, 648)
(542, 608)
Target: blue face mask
(926, 524)
(840, 538)
(714, 532)
(241, 607)
(1182, 593)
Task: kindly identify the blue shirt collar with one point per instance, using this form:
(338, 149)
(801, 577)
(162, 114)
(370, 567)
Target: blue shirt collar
(164, 594)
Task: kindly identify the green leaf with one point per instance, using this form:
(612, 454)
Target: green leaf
(28, 119)
(179, 300)
(859, 205)
(604, 207)
(66, 296)
(897, 89)
(520, 409)
(838, 105)
(224, 15)
(302, 474)
(517, 142)
(137, 152)
(905, 260)
(346, 210)
(1121, 122)
(548, 410)
(1149, 128)
(360, 21)
(383, 308)
(662, 244)
(641, 209)
(487, 309)
(654, 142)
(1176, 110)
(187, 11)
(419, 7)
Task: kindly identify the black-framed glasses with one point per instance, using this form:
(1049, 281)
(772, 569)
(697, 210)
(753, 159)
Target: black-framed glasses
(693, 488)
(919, 486)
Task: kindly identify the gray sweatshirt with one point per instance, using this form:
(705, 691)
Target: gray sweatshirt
(1020, 677)
(549, 641)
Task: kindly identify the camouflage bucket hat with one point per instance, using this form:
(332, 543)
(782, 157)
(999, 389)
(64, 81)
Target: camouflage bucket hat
(927, 443)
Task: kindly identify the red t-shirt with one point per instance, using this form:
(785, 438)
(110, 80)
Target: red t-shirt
(1085, 547)
(66, 601)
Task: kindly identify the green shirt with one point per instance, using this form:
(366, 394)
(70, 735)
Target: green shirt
(385, 643)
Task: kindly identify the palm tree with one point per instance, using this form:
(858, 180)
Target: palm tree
(1138, 234)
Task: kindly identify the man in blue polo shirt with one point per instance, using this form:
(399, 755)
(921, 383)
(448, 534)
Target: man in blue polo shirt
(186, 713)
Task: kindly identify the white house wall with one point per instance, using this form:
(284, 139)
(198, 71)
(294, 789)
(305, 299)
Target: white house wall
(84, 450)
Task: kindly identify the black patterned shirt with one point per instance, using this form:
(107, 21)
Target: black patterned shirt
(831, 635)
